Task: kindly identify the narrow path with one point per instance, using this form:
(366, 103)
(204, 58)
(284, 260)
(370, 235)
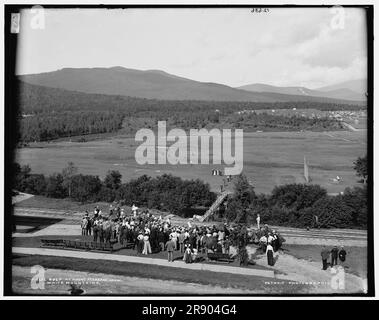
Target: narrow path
(150, 261)
(70, 225)
(21, 197)
(301, 270)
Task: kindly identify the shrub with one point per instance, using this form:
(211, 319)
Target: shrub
(35, 184)
(306, 218)
(113, 179)
(54, 186)
(357, 200)
(296, 196)
(85, 187)
(21, 174)
(360, 166)
(165, 192)
(332, 212)
(106, 194)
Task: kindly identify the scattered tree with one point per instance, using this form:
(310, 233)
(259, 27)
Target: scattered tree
(360, 166)
(67, 174)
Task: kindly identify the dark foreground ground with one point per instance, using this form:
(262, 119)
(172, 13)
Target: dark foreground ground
(225, 280)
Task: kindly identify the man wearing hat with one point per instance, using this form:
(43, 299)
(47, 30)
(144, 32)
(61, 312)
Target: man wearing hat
(342, 255)
(181, 238)
(334, 256)
(258, 221)
(324, 256)
(170, 246)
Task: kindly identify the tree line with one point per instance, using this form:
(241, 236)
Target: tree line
(294, 205)
(301, 205)
(164, 192)
(48, 126)
(49, 113)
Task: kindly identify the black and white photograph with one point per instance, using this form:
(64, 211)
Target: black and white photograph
(188, 151)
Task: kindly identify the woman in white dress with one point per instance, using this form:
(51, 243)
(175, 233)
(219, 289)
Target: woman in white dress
(146, 246)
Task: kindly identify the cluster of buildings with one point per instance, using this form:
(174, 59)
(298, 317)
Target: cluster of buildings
(341, 115)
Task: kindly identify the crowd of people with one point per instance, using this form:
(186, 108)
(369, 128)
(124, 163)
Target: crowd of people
(147, 233)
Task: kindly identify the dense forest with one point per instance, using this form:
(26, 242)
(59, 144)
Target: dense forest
(49, 113)
(48, 126)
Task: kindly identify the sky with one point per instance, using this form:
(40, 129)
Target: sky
(311, 47)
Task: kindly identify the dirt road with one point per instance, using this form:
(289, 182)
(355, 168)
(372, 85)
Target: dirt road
(70, 225)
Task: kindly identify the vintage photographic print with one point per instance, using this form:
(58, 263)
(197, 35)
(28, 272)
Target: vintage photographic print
(188, 151)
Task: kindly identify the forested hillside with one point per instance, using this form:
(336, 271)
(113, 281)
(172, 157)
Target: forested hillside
(156, 84)
(49, 113)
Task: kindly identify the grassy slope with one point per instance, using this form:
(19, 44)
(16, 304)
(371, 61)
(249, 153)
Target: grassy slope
(60, 204)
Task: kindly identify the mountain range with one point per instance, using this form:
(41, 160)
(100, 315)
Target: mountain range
(349, 90)
(157, 84)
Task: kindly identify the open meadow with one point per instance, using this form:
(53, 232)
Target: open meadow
(270, 158)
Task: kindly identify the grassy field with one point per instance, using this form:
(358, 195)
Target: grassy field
(270, 158)
(61, 204)
(356, 258)
(225, 280)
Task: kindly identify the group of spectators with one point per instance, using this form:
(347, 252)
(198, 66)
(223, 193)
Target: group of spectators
(338, 256)
(148, 234)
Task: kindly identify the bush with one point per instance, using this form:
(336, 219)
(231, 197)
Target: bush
(332, 212)
(357, 200)
(85, 188)
(296, 196)
(232, 209)
(165, 192)
(35, 184)
(283, 216)
(360, 166)
(106, 194)
(20, 174)
(113, 180)
(296, 205)
(306, 218)
(264, 213)
(54, 186)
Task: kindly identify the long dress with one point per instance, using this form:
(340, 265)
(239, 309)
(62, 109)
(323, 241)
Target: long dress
(187, 256)
(140, 244)
(270, 255)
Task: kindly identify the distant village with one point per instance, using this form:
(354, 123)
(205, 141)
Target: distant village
(340, 115)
